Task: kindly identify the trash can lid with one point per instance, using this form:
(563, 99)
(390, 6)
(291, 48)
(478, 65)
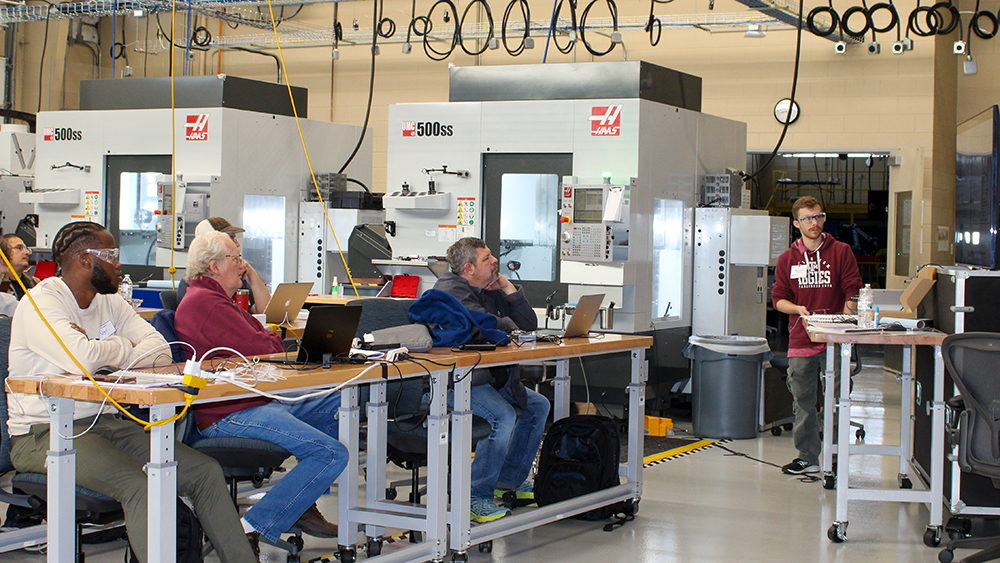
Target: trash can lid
(736, 345)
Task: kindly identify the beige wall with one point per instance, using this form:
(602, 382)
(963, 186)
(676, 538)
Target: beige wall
(903, 103)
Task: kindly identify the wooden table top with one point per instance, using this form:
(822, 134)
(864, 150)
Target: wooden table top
(335, 374)
(921, 337)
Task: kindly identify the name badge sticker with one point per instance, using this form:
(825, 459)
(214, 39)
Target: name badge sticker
(107, 330)
(798, 271)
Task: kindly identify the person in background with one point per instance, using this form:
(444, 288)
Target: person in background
(818, 274)
(504, 458)
(259, 295)
(208, 318)
(101, 329)
(17, 254)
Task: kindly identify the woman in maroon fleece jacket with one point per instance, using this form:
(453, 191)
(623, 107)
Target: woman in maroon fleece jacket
(818, 274)
(207, 318)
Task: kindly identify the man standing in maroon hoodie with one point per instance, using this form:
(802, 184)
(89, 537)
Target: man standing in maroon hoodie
(818, 274)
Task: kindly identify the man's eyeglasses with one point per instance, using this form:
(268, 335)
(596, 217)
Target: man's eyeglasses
(238, 257)
(109, 255)
(21, 247)
(808, 220)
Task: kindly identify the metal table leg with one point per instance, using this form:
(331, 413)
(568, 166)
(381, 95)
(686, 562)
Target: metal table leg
(162, 488)
(60, 465)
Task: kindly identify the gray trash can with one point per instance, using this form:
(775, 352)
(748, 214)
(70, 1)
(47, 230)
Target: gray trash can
(726, 384)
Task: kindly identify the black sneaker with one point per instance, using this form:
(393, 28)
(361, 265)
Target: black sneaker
(799, 466)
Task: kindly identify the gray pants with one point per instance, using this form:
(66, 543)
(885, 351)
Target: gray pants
(803, 383)
(109, 460)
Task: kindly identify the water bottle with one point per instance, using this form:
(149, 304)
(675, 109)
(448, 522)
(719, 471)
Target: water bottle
(335, 288)
(865, 312)
(125, 289)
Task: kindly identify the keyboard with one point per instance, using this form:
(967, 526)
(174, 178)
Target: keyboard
(833, 319)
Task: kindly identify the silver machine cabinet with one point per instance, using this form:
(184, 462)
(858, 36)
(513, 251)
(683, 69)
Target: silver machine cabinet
(246, 166)
(731, 252)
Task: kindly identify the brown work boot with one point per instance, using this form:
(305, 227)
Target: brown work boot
(314, 524)
(254, 539)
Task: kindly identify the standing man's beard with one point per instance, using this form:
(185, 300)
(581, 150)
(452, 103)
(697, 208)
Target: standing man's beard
(102, 282)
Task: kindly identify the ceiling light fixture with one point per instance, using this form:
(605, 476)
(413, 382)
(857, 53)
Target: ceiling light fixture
(755, 30)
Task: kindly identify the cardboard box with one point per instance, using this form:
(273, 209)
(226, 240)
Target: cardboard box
(918, 288)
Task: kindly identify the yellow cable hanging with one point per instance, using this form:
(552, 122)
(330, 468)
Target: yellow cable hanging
(173, 147)
(288, 84)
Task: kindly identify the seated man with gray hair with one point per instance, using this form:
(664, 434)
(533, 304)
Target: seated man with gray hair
(208, 318)
(503, 459)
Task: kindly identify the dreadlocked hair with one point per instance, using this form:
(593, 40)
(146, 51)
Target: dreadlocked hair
(72, 237)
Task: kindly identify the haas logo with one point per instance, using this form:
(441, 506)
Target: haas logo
(196, 128)
(605, 121)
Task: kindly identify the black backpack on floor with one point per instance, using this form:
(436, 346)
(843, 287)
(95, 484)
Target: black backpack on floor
(580, 455)
(190, 537)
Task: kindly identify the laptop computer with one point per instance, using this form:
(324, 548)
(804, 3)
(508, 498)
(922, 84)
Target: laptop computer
(587, 308)
(286, 302)
(329, 330)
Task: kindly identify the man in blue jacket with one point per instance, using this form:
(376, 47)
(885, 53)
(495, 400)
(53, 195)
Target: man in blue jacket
(504, 458)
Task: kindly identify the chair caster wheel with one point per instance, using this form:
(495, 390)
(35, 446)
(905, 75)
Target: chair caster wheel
(788, 427)
(486, 547)
(374, 547)
(776, 431)
(829, 482)
(390, 494)
(347, 554)
(860, 434)
(946, 556)
(837, 532)
(932, 536)
(297, 542)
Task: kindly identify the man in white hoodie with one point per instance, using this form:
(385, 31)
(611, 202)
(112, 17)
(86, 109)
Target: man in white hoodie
(100, 329)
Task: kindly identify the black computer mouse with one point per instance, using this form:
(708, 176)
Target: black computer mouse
(895, 327)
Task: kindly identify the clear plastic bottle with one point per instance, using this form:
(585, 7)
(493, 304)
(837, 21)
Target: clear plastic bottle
(125, 289)
(866, 317)
(335, 288)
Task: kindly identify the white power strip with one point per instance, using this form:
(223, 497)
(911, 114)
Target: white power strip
(395, 353)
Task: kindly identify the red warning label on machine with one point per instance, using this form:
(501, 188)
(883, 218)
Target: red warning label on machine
(605, 121)
(196, 127)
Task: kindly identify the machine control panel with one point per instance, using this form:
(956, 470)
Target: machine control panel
(168, 235)
(593, 223)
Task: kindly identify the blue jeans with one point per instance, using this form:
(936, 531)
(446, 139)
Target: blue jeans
(504, 458)
(306, 429)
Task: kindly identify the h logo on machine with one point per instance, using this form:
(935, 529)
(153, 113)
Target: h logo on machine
(196, 128)
(605, 121)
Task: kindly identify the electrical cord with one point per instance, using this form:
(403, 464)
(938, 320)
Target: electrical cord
(977, 28)
(913, 22)
(613, 8)
(461, 23)
(845, 19)
(955, 21)
(41, 58)
(795, 82)
(428, 50)
(815, 12)
(653, 20)
(573, 26)
(893, 16)
(526, 18)
(479, 359)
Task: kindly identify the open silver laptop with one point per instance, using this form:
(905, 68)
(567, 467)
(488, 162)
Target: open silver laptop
(587, 308)
(287, 301)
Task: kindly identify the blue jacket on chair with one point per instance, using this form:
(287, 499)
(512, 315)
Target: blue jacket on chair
(451, 323)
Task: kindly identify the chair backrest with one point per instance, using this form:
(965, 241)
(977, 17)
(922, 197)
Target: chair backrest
(379, 312)
(163, 322)
(973, 360)
(5, 463)
(169, 300)
(45, 269)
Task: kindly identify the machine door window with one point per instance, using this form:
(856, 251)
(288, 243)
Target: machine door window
(136, 219)
(264, 240)
(668, 259)
(528, 227)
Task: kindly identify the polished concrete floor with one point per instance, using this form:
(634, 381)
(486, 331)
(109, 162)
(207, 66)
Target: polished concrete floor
(711, 506)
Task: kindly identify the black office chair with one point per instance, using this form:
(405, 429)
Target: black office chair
(406, 435)
(29, 490)
(242, 459)
(973, 360)
(169, 300)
